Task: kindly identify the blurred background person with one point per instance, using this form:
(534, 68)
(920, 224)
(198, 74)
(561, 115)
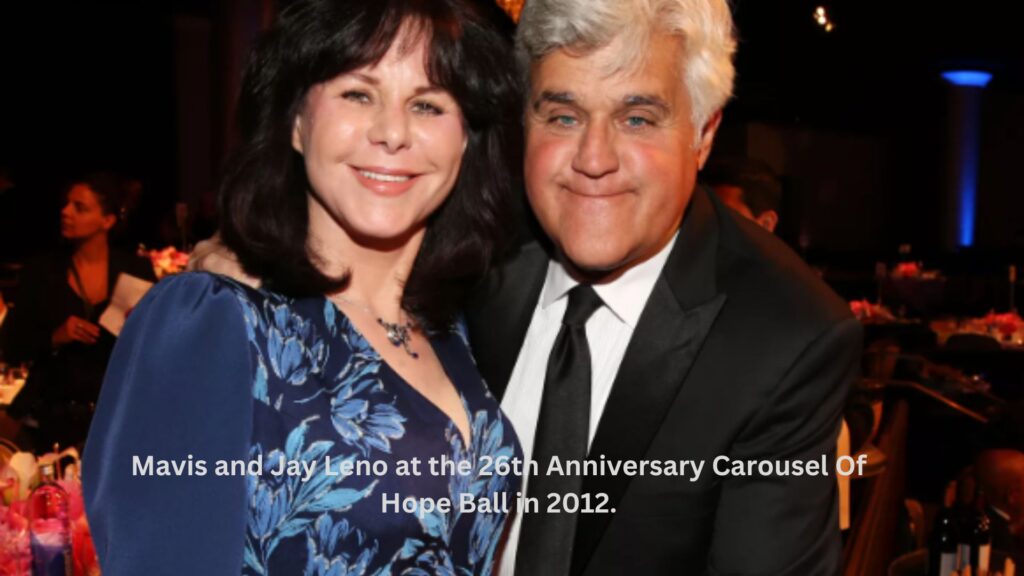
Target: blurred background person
(748, 186)
(53, 323)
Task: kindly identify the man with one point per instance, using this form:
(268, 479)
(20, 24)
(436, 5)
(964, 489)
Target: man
(707, 337)
(749, 187)
(655, 326)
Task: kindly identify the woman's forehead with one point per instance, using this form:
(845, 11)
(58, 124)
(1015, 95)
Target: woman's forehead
(82, 193)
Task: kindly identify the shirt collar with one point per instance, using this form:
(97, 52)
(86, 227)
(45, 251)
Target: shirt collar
(625, 296)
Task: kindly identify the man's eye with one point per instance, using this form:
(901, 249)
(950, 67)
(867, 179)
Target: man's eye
(562, 120)
(638, 122)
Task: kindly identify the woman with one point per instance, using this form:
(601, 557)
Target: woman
(367, 193)
(55, 321)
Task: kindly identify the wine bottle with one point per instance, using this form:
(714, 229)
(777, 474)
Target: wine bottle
(943, 550)
(980, 537)
(49, 530)
(965, 488)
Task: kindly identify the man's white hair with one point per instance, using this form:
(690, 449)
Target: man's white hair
(705, 27)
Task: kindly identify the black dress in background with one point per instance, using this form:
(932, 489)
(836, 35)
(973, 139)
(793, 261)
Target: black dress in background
(64, 382)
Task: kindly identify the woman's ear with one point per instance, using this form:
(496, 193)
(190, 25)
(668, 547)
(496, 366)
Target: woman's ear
(297, 133)
(109, 221)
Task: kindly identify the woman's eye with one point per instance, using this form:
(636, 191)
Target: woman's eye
(427, 108)
(356, 96)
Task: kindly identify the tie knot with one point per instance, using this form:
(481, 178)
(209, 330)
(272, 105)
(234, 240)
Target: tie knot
(583, 302)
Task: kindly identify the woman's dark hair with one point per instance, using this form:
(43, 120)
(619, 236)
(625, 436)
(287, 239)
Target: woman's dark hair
(263, 200)
(110, 189)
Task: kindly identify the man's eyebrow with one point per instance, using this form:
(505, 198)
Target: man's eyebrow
(646, 100)
(548, 96)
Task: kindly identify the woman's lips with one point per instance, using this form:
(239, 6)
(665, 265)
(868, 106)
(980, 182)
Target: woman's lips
(385, 181)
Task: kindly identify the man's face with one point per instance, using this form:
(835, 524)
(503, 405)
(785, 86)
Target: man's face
(610, 159)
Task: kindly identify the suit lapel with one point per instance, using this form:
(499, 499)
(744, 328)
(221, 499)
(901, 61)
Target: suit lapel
(499, 314)
(674, 324)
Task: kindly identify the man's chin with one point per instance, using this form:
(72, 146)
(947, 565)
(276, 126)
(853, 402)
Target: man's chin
(594, 266)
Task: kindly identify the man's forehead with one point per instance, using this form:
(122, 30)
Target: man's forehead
(574, 76)
(587, 97)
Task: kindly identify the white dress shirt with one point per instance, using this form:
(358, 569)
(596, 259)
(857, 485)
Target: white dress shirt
(609, 330)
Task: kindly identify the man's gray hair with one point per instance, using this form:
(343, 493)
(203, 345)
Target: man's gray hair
(705, 26)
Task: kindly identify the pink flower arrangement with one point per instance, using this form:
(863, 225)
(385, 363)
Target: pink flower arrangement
(906, 270)
(1007, 323)
(865, 311)
(15, 550)
(165, 262)
(15, 553)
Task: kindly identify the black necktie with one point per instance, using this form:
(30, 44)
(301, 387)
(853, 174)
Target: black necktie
(545, 541)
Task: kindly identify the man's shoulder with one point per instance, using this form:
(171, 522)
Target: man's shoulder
(765, 275)
(513, 273)
(529, 255)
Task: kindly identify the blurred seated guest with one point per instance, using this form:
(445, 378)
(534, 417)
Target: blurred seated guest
(1001, 474)
(58, 302)
(749, 187)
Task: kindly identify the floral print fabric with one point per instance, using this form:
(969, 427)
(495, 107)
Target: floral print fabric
(319, 390)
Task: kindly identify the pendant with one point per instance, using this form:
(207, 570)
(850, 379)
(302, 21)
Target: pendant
(399, 335)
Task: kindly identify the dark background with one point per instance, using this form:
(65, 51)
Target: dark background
(855, 120)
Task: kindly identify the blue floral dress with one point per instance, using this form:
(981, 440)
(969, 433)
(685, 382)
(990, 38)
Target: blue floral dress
(287, 445)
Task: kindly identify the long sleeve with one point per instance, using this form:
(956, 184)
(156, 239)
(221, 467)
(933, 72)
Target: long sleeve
(789, 525)
(178, 389)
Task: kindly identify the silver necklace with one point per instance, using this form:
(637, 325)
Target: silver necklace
(398, 333)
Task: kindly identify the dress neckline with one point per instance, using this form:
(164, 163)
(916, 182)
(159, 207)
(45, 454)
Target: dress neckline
(441, 358)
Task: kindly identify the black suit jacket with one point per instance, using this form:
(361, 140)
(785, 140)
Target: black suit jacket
(740, 351)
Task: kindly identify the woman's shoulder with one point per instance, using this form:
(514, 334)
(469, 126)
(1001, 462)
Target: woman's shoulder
(195, 295)
(266, 314)
(200, 283)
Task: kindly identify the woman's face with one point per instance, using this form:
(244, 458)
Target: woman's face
(382, 146)
(82, 216)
